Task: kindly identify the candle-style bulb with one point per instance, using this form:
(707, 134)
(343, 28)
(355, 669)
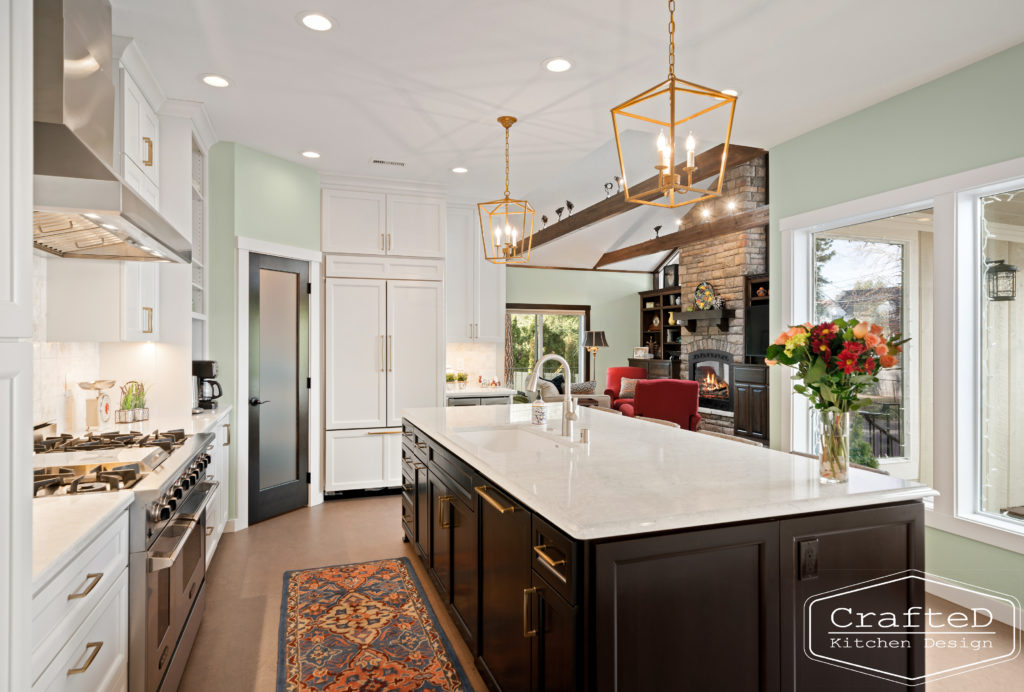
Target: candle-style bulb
(497, 235)
(665, 152)
(691, 146)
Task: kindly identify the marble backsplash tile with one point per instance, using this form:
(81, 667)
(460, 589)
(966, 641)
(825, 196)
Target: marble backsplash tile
(475, 359)
(58, 368)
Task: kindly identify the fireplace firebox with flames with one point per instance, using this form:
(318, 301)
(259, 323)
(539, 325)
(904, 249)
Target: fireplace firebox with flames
(712, 370)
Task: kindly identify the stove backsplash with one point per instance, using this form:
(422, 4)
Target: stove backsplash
(55, 365)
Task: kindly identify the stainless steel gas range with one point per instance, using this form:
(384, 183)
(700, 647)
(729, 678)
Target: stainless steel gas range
(167, 534)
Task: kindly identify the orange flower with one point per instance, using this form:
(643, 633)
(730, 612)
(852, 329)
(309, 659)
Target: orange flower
(881, 349)
(888, 361)
(876, 329)
(769, 361)
(871, 340)
(860, 330)
(808, 326)
(780, 340)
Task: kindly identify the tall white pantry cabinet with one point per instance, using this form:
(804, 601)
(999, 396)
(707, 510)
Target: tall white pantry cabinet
(383, 327)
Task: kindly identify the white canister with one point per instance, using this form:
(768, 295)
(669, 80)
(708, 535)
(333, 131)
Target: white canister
(539, 413)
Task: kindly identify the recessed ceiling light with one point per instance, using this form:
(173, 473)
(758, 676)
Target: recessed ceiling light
(311, 154)
(557, 64)
(730, 92)
(731, 206)
(316, 21)
(705, 212)
(460, 169)
(215, 80)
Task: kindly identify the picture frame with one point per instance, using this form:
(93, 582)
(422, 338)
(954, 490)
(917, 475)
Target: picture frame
(640, 352)
(670, 276)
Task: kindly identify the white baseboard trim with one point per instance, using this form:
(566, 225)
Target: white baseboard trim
(235, 525)
(1004, 613)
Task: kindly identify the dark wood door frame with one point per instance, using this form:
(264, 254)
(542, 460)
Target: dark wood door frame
(551, 307)
(286, 496)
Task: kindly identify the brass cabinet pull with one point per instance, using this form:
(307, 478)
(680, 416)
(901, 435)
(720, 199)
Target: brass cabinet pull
(406, 433)
(551, 562)
(421, 445)
(95, 646)
(440, 510)
(227, 427)
(391, 354)
(149, 320)
(419, 467)
(148, 161)
(527, 597)
(389, 243)
(385, 432)
(94, 579)
(481, 490)
(383, 354)
(408, 487)
(209, 530)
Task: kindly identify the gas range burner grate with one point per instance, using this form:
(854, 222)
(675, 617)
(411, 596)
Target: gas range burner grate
(167, 440)
(52, 480)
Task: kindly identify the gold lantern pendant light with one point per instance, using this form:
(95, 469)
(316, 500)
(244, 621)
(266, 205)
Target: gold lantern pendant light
(506, 225)
(688, 105)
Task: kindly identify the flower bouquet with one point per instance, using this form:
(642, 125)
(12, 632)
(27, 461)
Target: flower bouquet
(835, 362)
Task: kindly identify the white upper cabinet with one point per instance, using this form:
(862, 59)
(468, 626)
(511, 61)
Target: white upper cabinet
(354, 222)
(140, 141)
(100, 300)
(377, 223)
(475, 288)
(415, 226)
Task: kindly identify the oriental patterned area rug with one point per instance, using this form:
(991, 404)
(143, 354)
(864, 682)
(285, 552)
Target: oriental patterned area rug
(366, 626)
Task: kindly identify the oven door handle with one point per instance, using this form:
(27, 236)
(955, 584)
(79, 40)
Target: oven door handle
(159, 561)
(207, 488)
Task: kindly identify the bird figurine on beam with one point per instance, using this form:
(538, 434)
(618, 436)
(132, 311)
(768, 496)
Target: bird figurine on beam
(570, 206)
(656, 230)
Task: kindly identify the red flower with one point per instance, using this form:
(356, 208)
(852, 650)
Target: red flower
(825, 353)
(854, 347)
(847, 361)
(869, 365)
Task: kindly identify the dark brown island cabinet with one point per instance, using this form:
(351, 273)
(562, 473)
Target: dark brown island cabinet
(712, 608)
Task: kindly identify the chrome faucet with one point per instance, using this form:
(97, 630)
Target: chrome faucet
(569, 417)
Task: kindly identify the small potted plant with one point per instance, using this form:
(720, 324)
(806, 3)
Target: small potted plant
(133, 404)
(462, 378)
(141, 410)
(449, 381)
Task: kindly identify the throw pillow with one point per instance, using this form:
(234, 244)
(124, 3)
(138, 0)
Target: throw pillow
(584, 387)
(548, 391)
(627, 388)
(559, 381)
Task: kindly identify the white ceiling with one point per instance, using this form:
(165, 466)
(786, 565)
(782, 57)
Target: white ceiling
(422, 82)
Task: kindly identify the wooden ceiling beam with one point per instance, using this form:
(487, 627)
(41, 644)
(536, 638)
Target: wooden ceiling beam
(707, 163)
(693, 233)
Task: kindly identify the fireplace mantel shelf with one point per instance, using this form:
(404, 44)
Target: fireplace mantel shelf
(690, 319)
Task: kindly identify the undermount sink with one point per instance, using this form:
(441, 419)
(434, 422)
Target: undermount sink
(509, 440)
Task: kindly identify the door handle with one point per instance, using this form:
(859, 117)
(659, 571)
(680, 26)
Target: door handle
(148, 161)
(382, 245)
(389, 242)
(94, 579)
(391, 354)
(227, 427)
(481, 490)
(95, 647)
(527, 598)
(440, 510)
(149, 320)
(383, 354)
(255, 401)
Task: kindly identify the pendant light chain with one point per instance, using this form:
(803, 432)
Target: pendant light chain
(671, 39)
(507, 195)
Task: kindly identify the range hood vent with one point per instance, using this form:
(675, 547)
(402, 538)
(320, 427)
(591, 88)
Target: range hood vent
(82, 208)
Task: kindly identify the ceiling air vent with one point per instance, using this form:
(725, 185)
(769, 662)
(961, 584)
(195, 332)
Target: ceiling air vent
(385, 162)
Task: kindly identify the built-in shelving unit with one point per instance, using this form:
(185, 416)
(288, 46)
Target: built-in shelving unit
(200, 273)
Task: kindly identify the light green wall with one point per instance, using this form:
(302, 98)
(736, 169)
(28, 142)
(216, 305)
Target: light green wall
(964, 120)
(253, 195)
(612, 297)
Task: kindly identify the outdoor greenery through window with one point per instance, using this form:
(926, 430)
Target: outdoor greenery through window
(872, 272)
(1002, 343)
(534, 333)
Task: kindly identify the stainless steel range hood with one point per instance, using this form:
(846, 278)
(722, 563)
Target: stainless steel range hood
(82, 207)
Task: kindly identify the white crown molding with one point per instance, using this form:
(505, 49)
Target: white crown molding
(266, 247)
(196, 112)
(370, 184)
(126, 52)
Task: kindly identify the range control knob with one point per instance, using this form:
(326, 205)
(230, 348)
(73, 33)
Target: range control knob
(177, 492)
(165, 512)
(171, 503)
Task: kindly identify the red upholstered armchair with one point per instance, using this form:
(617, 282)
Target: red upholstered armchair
(674, 400)
(614, 382)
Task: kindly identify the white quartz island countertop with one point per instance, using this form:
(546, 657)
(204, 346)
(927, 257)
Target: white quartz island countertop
(638, 477)
(479, 391)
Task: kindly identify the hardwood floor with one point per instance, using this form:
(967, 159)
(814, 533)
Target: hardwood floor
(237, 644)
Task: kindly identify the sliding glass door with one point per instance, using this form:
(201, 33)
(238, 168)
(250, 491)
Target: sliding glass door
(538, 331)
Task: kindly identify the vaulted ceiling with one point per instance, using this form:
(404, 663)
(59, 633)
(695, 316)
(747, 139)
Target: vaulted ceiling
(422, 82)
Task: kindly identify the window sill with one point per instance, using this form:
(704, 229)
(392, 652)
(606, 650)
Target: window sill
(994, 531)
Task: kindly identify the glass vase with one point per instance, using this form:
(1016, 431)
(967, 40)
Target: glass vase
(834, 462)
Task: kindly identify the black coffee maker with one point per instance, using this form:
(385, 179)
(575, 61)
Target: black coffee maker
(204, 388)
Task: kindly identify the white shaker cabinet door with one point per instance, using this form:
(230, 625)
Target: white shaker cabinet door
(490, 292)
(415, 346)
(353, 222)
(354, 459)
(355, 353)
(459, 266)
(415, 226)
(141, 301)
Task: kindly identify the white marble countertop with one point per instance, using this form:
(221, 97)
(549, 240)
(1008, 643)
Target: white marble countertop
(62, 526)
(480, 391)
(639, 477)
